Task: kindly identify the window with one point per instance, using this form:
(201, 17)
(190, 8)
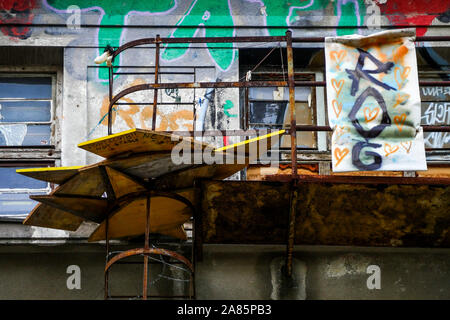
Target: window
(25, 110)
(15, 190)
(27, 138)
(269, 109)
(435, 109)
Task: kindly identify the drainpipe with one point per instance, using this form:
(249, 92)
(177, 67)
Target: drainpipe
(199, 125)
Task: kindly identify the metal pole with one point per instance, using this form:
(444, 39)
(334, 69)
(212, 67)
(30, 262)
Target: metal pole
(107, 257)
(155, 91)
(291, 229)
(247, 109)
(291, 83)
(293, 133)
(146, 246)
(111, 79)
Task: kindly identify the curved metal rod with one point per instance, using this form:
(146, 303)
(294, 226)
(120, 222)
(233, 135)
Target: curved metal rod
(158, 40)
(194, 85)
(123, 201)
(126, 199)
(144, 41)
(148, 251)
(131, 44)
(197, 85)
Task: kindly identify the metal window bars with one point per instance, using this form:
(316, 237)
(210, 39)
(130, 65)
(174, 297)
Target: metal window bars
(290, 83)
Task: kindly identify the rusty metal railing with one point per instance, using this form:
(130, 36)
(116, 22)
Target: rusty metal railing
(288, 40)
(290, 83)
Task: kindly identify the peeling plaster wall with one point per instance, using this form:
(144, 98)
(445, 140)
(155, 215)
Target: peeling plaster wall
(83, 28)
(52, 23)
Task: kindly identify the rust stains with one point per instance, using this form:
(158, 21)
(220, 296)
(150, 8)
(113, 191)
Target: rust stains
(255, 212)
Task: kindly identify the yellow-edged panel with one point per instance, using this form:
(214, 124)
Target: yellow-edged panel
(56, 175)
(147, 165)
(185, 178)
(135, 141)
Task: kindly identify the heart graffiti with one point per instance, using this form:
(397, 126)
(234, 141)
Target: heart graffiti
(371, 115)
(400, 76)
(337, 86)
(337, 107)
(400, 121)
(340, 154)
(390, 149)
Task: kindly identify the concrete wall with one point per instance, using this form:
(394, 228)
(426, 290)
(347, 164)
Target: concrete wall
(233, 272)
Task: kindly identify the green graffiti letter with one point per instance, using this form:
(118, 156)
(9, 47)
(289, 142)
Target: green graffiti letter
(208, 13)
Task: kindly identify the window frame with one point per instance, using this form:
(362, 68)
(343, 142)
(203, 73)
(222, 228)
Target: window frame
(39, 155)
(51, 100)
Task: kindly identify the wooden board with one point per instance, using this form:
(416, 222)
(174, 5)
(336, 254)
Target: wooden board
(177, 232)
(88, 182)
(136, 153)
(261, 172)
(48, 217)
(135, 141)
(129, 220)
(85, 208)
(147, 165)
(369, 173)
(225, 170)
(56, 175)
(122, 184)
(442, 172)
(184, 178)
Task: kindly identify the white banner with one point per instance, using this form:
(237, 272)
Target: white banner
(374, 102)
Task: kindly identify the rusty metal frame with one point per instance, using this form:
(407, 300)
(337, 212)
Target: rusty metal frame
(288, 39)
(148, 251)
(294, 178)
(114, 205)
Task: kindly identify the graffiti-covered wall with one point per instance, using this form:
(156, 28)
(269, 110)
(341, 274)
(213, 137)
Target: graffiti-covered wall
(84, 27)
(47, 53)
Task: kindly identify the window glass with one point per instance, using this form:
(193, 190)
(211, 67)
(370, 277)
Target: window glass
(26, 120)
(267, 93)
(9, 179)
(25, 110)
(15, 191)
(267, 113)
(25, 87)
(435, 108)
(17, 206)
